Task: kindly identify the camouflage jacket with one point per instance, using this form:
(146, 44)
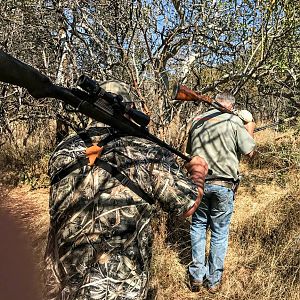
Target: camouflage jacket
(99, 243)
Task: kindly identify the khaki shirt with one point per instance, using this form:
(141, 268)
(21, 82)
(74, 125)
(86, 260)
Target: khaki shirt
(99, 244)
(220, 138)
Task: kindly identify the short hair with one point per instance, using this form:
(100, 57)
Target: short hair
(226, 97)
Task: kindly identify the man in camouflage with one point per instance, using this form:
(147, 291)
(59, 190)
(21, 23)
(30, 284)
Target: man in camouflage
(100, 237)
(99, 244)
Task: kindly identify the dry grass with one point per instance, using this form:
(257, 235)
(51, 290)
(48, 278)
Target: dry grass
(24, 156)
(263, 260)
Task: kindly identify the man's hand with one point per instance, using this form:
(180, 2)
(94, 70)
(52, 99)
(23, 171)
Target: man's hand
(198, 169)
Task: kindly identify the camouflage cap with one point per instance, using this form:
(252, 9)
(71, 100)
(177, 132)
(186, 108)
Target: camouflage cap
(117, 87)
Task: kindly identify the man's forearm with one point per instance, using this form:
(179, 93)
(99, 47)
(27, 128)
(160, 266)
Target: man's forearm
(195, 206)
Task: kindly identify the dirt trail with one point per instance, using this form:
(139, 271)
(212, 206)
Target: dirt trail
(24, 225)
(29, 209)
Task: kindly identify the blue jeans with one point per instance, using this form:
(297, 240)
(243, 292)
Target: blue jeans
(215, 212)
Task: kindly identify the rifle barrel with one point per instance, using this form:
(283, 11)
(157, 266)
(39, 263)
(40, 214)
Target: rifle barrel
(274, 124)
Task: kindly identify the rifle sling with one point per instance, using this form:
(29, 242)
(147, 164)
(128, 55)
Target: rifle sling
(204, 119)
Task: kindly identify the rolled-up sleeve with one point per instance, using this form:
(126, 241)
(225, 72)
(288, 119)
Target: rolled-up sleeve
(245, 142)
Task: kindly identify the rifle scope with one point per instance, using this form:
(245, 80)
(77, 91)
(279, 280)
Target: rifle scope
(115, 101)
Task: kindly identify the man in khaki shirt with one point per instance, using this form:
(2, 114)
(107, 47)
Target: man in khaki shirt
(221, 139)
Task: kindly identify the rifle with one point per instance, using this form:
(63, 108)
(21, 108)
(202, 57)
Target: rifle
(92, 100)
(183, 93)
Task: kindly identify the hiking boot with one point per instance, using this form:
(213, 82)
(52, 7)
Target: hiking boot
(196, 285)
(214, 289)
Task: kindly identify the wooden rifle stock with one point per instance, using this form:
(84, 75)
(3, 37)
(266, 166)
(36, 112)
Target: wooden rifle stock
(183, 93)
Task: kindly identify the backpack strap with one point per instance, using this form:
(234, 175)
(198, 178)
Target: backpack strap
(124, 180)
(78, 164)
(82, 162)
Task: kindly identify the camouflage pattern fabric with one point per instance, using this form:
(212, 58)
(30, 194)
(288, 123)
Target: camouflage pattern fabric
(99, 244)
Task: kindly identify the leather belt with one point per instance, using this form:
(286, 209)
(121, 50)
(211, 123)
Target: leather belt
(227, 184)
